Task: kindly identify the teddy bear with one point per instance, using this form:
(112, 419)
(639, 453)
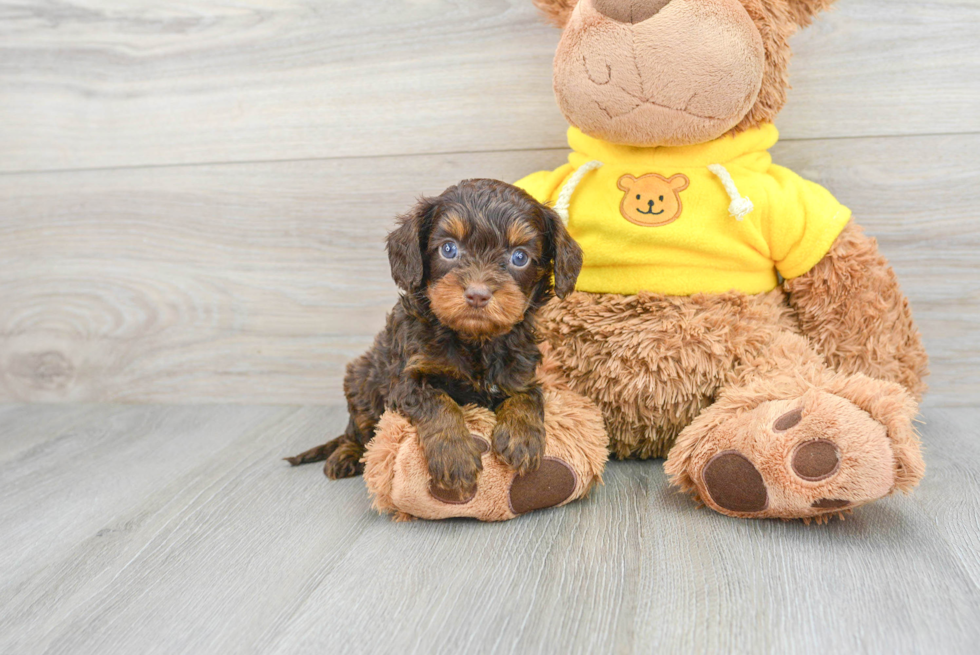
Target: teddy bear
(731, 316)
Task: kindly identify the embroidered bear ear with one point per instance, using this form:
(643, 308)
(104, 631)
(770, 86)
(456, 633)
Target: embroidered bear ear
(626, 182)
(557, 12)
(678, 182)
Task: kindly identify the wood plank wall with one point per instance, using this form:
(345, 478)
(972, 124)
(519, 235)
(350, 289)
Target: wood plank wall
(193, 194)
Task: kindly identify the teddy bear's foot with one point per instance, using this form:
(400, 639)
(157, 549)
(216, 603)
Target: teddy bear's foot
(549, 485)
(575, 453)
(806, 457)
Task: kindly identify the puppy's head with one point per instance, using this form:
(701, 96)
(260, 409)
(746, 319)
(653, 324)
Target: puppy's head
(483, 253)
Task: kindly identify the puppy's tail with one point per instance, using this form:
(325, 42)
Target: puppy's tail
(317, 454)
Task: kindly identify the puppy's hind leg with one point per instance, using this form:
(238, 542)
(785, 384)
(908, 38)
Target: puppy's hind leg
(324, 451)
(345, 461)
(317, 454)
(342, 454)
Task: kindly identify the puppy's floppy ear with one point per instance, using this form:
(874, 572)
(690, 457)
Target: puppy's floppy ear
(405, 245)
(556, 11)
(803, 11)
(565, 251)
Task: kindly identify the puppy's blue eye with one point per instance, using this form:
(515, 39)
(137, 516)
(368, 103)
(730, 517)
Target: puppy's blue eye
(519, 258)
(449, 250)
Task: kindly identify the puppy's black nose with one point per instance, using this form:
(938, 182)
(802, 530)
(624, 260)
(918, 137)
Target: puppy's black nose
(629, 11)
(477, 296)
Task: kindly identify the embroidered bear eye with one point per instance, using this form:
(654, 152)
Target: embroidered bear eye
(449, 250)
(519, 258)
(637, 196)
(661, 198)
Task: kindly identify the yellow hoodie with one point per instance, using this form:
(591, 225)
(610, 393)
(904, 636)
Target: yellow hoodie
(681, 220)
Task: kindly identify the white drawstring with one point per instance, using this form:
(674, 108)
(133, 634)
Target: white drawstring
(565, 197)
(740, 206)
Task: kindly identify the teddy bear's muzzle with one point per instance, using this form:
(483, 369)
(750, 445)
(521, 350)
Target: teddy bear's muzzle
(630, 11)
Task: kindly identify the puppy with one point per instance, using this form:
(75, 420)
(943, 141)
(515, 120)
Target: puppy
(474, 263)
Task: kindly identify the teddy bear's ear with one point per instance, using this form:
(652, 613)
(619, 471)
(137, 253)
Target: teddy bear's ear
(803, 11)
(626, 182)
(556, 11)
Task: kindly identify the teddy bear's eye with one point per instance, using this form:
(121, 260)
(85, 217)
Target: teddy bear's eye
(661, 198)
(637, 196)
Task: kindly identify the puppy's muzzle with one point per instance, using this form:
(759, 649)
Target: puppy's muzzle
(477, 296)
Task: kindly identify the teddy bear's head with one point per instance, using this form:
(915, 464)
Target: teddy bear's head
(673, 72)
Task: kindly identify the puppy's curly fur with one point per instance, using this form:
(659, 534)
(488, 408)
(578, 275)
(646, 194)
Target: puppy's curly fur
(475, 264)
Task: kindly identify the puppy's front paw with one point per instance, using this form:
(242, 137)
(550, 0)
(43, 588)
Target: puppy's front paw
(519, 441)
(455, 462)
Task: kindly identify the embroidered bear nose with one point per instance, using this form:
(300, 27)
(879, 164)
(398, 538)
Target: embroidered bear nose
(477, 296)
(629, 11)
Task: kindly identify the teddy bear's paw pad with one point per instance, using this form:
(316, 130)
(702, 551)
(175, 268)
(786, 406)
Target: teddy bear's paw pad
(551, 484)
(816, 460)
(734, 483)
(788, 420)
(456, 496)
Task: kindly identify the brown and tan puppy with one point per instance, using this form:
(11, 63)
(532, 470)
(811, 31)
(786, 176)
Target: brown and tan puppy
(475, 264)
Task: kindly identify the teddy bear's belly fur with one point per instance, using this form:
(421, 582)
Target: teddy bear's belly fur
(652, 362)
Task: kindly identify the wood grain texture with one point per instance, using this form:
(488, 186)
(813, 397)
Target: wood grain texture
(93, 83)
(258, 282)
(173, 530)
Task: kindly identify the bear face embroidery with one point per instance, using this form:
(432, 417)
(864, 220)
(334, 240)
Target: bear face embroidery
(652, 200)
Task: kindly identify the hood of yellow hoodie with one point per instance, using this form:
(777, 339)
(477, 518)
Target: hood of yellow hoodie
(750, 148)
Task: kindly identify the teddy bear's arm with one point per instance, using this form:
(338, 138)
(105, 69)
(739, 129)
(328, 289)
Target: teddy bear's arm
(854, 312)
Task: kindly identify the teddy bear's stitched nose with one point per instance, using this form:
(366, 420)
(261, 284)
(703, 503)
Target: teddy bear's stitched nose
(629, 11)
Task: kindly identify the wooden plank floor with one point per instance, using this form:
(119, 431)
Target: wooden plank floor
(148, 529)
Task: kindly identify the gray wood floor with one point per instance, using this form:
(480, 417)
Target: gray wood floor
(147, 529)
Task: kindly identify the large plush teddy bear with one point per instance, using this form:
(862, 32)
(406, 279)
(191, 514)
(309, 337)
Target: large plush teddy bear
(730, 315)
